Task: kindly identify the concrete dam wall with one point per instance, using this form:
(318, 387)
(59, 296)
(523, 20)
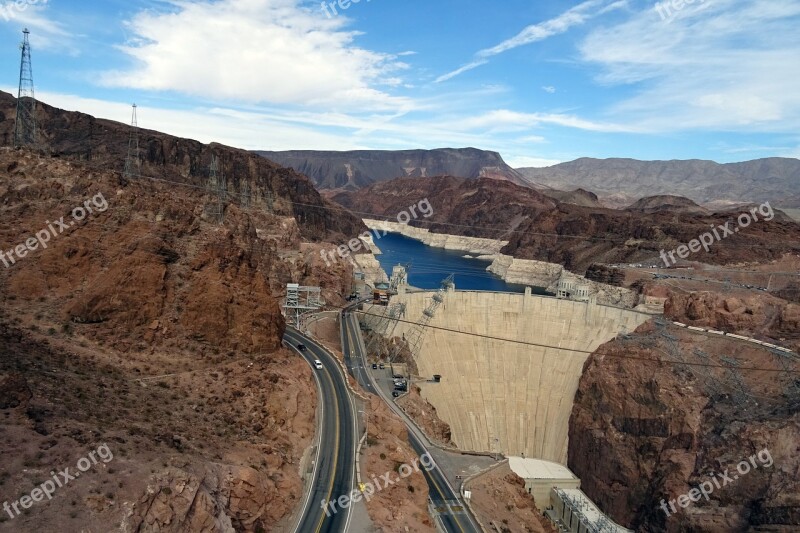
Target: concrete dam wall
(509, 397)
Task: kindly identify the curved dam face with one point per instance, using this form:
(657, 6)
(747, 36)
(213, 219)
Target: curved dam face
(507, 397)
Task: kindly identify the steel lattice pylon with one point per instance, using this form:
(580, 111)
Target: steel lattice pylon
(218, 185)
(300, 301)
(133, 165)
(270, 199)
(25, 122)
(417, 333)
(245, 194)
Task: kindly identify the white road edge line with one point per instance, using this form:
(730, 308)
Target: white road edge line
(318, 439)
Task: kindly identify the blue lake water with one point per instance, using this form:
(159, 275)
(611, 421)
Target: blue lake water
(429, 265)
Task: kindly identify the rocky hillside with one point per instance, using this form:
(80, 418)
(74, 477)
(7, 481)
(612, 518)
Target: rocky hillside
(667, 202)
(539, 227)
(356, 169)
(620, 182)
(643, 433)
(577, 197)
(130, 317)
(103, 145)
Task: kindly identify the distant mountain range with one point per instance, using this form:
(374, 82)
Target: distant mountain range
(538, 226)
(348, 171)
(620, 182)
(617, 182)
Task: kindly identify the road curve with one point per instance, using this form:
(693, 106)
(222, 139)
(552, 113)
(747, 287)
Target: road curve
(335, 466)
(450, 509)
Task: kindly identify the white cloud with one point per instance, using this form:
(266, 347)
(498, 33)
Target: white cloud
(249, 131)
(45, 32)
(507, 120)
(461, 70)
(575, 16)
(549, 89)
(256, 51)
(727, 65)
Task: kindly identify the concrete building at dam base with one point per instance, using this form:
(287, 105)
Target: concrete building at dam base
(556, 491)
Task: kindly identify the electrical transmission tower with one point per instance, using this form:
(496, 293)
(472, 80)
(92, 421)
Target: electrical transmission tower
(300, 301)
(270, 201)
(25, 123)
(217, 184)
(133, 166)
(399, 277)
(244, 191)
(417, 333)
(740, 393)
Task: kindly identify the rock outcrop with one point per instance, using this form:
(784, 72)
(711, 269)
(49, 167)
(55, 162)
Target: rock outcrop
(360, 168)
(102, 145)
(537, 227)
(646, 429)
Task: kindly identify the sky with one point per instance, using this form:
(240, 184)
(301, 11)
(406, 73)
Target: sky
(539, 82)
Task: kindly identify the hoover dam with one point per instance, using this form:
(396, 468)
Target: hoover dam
(509, 397)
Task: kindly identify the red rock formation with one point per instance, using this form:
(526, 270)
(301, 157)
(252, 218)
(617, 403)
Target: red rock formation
(539, 227)
(642, 432)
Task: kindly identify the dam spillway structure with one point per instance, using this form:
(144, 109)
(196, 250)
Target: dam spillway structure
(512, 397)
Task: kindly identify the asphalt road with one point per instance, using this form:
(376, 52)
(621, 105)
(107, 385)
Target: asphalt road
(351, 349)
(446, 501)
(334, 471)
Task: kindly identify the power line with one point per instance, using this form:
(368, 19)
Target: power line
(342, 209)
(500, 339)
(577, 350)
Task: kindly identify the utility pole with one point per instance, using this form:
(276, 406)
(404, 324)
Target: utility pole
(216, 183)
(25, 122)
(244, 189)
(133, 166)
(270, 202)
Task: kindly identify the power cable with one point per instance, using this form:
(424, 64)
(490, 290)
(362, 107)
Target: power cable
(343, 209)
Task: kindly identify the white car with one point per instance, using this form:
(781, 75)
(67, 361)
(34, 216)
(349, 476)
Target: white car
(317, 364)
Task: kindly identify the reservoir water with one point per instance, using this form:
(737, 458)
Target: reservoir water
(430, 265)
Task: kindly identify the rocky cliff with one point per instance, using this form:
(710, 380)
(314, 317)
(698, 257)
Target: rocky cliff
(540, 228)
(644, 433)
(103, 145)
(129, 315)
(355, 169)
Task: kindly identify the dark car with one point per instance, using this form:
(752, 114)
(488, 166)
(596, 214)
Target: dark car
(374, 366)
(301, 347)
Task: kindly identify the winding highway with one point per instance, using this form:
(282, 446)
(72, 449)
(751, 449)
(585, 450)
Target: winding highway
(450, 511)
(334, 469)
